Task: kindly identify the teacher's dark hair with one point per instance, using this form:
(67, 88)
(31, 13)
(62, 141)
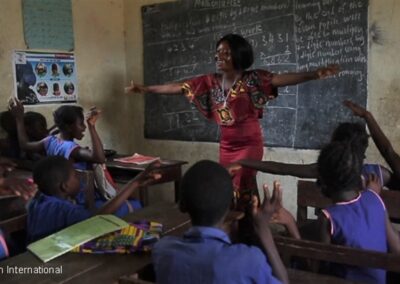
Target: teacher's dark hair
(241, 51)
(206, 193)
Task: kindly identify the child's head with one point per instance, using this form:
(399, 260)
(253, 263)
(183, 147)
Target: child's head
(35, 125)
(206, 193)
(339, 168)
(55, 176)
(69, 119)
(8, 123)
(354, 133)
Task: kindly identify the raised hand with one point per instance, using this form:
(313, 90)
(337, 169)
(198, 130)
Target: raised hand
(92, 116)
(373, 183)
(150, 174)
(263, 213)
(327, 71)
(135, 88)
(355, 108)
(17, 108)
(17, 186)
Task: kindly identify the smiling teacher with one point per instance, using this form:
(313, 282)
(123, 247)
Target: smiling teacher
(234, 98)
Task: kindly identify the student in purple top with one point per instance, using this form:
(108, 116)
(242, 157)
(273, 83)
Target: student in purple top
(358, 218)
(205, 253)
(52, 208)
(347, 131)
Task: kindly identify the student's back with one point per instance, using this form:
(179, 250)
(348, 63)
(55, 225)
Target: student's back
(205, 253)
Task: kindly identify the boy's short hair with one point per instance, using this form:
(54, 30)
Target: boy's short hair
(50, 172)
(67, 115)
(206, 193)
(339, 168)
(241, 51)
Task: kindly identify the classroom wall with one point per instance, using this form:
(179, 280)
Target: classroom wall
(100, 59)
(108, 48)
(383, 97)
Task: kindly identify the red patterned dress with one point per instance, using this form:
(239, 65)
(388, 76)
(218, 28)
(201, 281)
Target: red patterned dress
(238, 113)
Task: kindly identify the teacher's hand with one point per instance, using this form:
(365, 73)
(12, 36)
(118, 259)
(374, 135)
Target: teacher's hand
(355, 108)
(135, 88)
(327, 71)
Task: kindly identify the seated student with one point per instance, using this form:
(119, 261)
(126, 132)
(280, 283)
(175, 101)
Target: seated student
(9, 146)
(205, 253)
(70, 121)
(358, 218)
(52, 210)
(36, 130)
(382, 143)
(354, 132)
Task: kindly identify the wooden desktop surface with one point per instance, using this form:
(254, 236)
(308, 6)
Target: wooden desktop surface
(101, 268)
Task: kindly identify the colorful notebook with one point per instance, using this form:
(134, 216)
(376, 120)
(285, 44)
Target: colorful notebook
(65, 240)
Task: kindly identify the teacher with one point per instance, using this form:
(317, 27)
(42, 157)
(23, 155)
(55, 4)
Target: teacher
(234, 98)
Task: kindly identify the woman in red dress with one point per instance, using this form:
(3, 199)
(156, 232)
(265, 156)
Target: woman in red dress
(234, 98)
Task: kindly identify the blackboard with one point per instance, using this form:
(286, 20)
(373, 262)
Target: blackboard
(287, 36)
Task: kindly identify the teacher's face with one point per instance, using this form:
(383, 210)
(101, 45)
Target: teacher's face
(223, 57)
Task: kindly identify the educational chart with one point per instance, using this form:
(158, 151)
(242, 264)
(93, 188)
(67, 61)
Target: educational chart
(44, 77)
(48, 24)
(286, 35)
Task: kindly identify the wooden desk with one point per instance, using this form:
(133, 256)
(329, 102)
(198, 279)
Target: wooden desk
(171, 171)
(90, 268)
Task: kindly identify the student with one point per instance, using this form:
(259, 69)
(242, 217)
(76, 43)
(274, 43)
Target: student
(234, 98)
(205, 253)
(69, 120)
(52, 210)
(347, 131)
(36, 130)
(382, 143)
(358, 218)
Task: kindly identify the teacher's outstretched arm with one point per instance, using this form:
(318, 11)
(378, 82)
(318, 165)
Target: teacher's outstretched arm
(170, 88)
(286, 79)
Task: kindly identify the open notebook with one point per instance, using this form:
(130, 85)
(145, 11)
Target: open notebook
(65, 240)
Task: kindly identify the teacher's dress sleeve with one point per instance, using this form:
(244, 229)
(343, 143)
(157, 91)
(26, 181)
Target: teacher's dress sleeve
(198, 92)
(260, 87)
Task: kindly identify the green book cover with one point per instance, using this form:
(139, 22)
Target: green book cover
(65, 240)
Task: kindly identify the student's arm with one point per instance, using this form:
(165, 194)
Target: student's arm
(142, 179)
(324, 226)
(284, 217)
(382, 143)
(17, 109)
(297, 170)
(170, 88)
(261, 216)
(393, 237)
(286, 79)
(96, 153)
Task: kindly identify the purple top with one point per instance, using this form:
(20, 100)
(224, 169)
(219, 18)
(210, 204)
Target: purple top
(359, 223)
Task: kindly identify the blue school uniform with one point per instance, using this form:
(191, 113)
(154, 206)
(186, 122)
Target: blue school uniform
(206, 255)
(372, 169)
(55, 146)
(359, 223)
(49, 214)
(3, 247)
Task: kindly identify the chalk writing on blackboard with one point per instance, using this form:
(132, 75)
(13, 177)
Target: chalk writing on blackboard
(48, 24)
(286, 35)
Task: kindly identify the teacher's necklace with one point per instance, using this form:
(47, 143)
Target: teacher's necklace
(227, 95)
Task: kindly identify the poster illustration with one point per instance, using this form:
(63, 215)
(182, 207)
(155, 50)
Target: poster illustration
(44, 77)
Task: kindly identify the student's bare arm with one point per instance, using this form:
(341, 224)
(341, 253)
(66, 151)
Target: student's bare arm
(381, 141)
(142, 179)
(392, 237)
(261, 216)
(297, 170)
(286, 79)
(170, 88)
(17, 109)
(324, 228)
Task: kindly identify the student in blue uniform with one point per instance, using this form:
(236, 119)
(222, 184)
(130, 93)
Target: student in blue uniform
(205, 253)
